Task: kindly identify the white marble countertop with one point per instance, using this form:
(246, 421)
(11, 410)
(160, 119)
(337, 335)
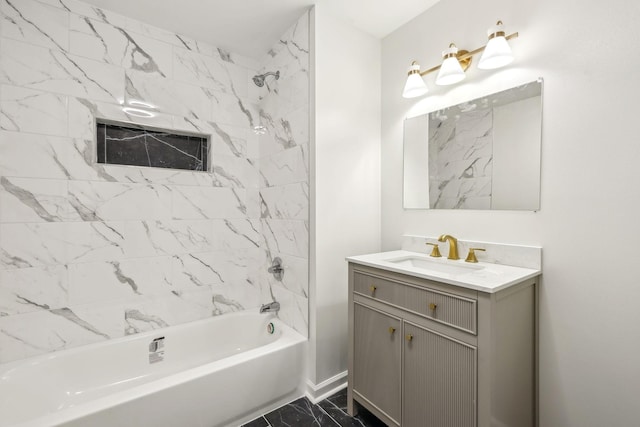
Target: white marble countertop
(482, 276)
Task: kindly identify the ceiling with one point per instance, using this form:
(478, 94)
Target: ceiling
(251, 27)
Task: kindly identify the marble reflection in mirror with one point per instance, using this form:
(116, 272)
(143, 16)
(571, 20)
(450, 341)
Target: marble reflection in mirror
(480, 154)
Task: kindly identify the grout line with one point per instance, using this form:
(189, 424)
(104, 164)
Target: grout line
(330, 417)
(359, 421)
(256, 419)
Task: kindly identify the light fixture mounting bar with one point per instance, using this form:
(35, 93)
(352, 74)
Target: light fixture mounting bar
(465, 55)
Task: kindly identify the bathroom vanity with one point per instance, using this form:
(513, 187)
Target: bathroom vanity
(435, 342)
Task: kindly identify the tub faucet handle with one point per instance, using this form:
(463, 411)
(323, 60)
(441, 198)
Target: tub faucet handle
(277, 269)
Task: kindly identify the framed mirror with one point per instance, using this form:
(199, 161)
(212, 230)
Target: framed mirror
(480, 154)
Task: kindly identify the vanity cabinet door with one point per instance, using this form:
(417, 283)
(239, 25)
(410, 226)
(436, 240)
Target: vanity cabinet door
(439, 380)
(376, 359)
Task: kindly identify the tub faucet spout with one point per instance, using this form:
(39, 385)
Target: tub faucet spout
(272, 306)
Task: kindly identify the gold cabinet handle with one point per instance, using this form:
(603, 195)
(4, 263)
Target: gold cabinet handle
(372, 289)
(433, 306)
(408, 337)
(391, 329)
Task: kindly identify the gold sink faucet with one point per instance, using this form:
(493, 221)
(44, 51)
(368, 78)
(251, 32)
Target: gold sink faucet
(453, 245)
(471, 257)
(435, 252)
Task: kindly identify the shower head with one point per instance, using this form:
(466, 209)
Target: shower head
(259, 79)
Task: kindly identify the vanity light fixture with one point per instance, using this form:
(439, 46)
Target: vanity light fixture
(451, 70)
(496, 54)
(415, 85)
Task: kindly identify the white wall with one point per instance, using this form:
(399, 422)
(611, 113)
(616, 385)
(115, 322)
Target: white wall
(415, 162)
(587, 225)
(345, 179)
(515, 179)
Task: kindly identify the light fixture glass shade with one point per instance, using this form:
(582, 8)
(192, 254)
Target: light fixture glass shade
(450, 71)
(415, 85)
(497, 53)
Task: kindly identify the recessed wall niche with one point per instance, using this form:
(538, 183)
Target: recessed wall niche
(133, 145)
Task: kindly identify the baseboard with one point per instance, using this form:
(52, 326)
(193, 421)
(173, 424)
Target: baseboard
(317, 392)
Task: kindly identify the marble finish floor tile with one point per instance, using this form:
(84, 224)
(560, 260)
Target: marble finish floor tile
(331, 412)
(300, 412)
(336, 407)
(258, 422)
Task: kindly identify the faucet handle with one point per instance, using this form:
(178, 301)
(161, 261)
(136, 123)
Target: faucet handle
(435, 252)
(471, 257)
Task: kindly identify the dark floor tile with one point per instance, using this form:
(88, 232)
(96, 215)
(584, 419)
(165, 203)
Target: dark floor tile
(368, 419)
(339, 415)
(336, 406)
(258, 422)
(300, 413)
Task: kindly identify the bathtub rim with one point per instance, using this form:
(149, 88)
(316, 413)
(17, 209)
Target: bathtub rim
(288, 338)
(5, 367)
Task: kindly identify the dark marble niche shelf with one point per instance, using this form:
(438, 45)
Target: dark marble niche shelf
(126, 144)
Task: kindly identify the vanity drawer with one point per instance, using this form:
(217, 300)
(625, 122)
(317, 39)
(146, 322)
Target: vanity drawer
(379, 289)
(452, 310)
(442, 307)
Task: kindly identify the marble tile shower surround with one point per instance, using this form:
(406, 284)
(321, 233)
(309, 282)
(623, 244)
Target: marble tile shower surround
(283, 109)
(461, 161)
(91, 252)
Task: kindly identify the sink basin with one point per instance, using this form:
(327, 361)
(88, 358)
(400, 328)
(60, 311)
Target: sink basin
(439, 266)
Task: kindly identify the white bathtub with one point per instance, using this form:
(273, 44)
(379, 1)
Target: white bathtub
(216, 372)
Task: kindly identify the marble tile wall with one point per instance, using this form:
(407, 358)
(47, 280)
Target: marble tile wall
(93, 252)
(284, 171)
(461, 160)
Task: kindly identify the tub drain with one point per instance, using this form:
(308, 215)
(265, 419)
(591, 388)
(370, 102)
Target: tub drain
(271, 328)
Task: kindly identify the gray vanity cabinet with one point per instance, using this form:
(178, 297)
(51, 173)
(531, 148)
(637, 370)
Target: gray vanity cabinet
(439, 379)
(429, 354)
(377, 353)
